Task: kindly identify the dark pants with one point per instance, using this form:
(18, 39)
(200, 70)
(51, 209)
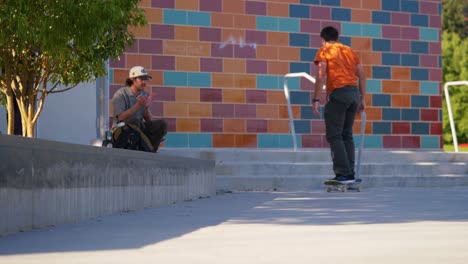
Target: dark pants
(155, 130)
(340, 112)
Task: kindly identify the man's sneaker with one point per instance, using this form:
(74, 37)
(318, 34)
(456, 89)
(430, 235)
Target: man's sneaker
(345, 179)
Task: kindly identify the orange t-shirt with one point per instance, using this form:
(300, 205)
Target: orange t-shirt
(341, 65)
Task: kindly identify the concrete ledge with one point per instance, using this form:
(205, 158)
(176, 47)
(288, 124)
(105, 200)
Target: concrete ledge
(45, 183)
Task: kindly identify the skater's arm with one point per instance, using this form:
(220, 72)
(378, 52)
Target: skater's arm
(320, 80)
(362, 86)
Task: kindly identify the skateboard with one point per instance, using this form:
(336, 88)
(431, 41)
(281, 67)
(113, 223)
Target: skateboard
(333, 185)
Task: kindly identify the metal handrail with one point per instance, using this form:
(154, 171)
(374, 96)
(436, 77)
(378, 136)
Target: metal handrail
(449, 108)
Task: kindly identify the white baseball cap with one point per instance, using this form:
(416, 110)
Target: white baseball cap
(138, 71)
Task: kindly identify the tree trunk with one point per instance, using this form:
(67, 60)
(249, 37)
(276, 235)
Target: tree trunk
(10, 114)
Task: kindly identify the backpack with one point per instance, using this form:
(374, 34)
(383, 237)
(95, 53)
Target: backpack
(130, 136)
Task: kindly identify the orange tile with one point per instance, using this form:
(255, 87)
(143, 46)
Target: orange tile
(390, 87)
(141, 32)
(367, 69)
(224, 141)
(401, 100)
(289, 53)
(245, 81)
(278, 67)
(276, 97)
(188, 125)
(222, 80)
(173, 109)
(410, 87)
(187, 5)
(363, 44)
(236, 7)
(246, 141)
(267, 52)
(234, 66)
(277, 39)
(141, 60)
(188, 95)
(351, 3)
(154, 15)
(401, 73)
(186, 33)
(371, 4)
(373, 113)
(278, 126)
(233, 96)
(234, 125)
(245, 22)
(157, 77)
(202, 49)
(267, 111)
(283, 111)
(120, 75)
(199, 110)
(361, 16)
(222, 20)
(191, 64)
(174, 47)
(369, 57)
(278, 9)
(144, 3)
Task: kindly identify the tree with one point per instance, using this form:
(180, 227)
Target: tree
(49, 44)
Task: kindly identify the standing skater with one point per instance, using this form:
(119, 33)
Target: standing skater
(339, 67)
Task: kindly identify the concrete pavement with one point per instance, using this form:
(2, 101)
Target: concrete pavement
(388, 225)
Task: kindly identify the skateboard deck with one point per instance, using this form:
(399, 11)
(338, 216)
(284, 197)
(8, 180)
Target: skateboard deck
(333, 185)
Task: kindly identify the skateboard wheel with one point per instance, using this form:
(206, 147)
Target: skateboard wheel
(358, 189)
(328, 189)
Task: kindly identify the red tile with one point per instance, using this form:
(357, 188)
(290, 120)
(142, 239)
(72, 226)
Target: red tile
(392, 141)
(401, 128)
(435, 101)
(411, 142)
(211, 95)
(429, 115)
(437, 129)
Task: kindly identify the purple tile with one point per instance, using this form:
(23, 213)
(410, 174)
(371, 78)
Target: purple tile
(429, 61)
(210, 34)
(222, 110)
(133, 48)
(245, 111)
(402, 19)
(435, 48)
(253, 37)
(392, 32)
(222, 50)
(257, 126)
(257, 66)
(157, 109)
(113, 88)
(410, 33)
(163, 3)
(315, 40)
(163, 62)
(211, 125)
(401, 46)
(310, 26)
(210, 5)
(162, 31)
(430, 8)
(256, 96)
(171, 124)
(435, 75)
(307, 85)
(164, 93)
(245, 51)
(211, 65)
(435, 21)
(118, 62)
(211, 95)
(318, 12)
(255, 8)
(150, 46)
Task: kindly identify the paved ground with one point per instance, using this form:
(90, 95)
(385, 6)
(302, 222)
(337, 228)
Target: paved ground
(407, 225)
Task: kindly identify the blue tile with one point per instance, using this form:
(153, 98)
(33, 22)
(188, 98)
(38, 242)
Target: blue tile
(371, 141)
(175, 78)
(302, 126)
(299, 67)
(200, 140)
(384, 128)
(177, 140)
(380, 72)
(381, 45)
(391, 59)
(390, 5)
(430, 142)
(429, 88)
(373, 31)
(299, 40)
(345, 40)
(381, 100)
(428, 34)
(351, 29)
(391, 114)
(286, 141)
(420, 128)
(267, 23)
(308, 54)
(421, 101)
(331, 2)
(199, 19)
(409, 60)
(410, 6)
(419, 47)
(341, 14)
(289, 24)
(307, 113)
(374, 86)
(299, 98)
(270, 82)
(410, 114)
(313, 2)
(171, 16)
(419, 20)
(268, 141)
(300, 11)
(379, 17)
(419, 74)
(197, 79)
(294, 84)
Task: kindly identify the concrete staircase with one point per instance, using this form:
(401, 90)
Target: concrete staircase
(278, 169)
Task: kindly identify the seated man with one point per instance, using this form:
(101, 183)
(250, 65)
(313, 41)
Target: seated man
(131, 107)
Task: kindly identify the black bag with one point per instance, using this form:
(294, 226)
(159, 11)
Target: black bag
(131, 137)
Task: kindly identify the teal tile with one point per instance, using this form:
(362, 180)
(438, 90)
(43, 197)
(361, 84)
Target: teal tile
(428, 34)
(199, 79)
(177, 140)
(431, 88)
(175, 78)
(370, 141)
(110, 76)
(171, 16)
(270, 82)
(267, 23)
(373, 31)
(351, 29)
(200, 140)
(289, 25)
(374, 86)
(268, 141)
(430, 142)
(294, 84)
(286, 141)
(199, 19)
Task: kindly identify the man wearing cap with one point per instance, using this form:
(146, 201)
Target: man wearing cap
(131, 107)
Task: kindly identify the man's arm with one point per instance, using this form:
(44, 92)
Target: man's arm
(362, 86)
(130, 112)
(320, 80)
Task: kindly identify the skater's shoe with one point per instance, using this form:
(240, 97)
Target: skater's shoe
(344, 179)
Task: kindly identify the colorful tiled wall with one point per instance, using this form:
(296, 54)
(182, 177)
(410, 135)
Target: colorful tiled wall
(218, 68)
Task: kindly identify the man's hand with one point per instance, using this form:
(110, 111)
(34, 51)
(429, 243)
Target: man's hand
(143, 100)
